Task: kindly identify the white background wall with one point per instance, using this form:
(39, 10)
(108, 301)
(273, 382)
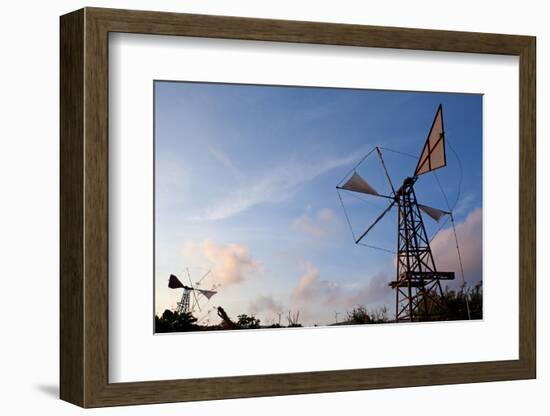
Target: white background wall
(29, 159)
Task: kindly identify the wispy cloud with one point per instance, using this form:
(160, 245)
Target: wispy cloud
(222, 157)
(280, 181)
(318, 225)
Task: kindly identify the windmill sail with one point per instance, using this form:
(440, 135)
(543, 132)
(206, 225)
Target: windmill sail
(434, 213)
(357, 184)
(433, 153)
(174, 282)
(207, 293)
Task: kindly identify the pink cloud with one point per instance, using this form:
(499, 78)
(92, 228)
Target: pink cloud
(311, 288)
(306, 288)
(373, 290)
(230, 263)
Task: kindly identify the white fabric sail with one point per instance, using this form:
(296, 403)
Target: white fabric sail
(433, 153)
(357, 184)
(435, 213)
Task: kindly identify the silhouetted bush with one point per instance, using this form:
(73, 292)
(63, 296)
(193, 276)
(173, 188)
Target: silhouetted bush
(171, 321)
(452, 306)
(247, 322)
(358, 316)
(361, 315)
(458, 303)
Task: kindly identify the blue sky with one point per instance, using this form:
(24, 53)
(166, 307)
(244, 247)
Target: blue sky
(245, 182)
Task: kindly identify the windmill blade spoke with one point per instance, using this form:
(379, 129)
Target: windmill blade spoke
(356, 166)
(385, 169)
(193, 289)
(375, 222)
(202, 278)
(352, 192)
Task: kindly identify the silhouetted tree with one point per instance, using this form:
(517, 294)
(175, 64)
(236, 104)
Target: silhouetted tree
(358, 315)
(171, 321)
(247, 322)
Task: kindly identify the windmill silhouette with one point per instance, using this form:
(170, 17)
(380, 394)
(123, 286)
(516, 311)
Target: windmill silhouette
(418, 292)
(185, 305)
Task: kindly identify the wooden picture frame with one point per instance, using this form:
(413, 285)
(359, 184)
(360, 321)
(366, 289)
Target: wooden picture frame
(84, 207)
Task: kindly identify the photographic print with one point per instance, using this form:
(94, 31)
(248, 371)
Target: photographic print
(289, 206)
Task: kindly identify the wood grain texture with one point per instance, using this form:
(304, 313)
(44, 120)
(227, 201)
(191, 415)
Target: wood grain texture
(96, 220)
(527, 208)
(84, 207)
(71, 208)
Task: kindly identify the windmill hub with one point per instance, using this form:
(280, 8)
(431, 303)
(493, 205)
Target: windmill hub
(407, 183)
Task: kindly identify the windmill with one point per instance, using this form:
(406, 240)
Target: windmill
(418, 292)
(184, 305)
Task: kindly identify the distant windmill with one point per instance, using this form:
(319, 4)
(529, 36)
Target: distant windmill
(184, 305)
(418, 293)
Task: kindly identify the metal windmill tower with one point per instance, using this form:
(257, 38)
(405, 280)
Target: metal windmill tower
(418, 292)
(184, 305)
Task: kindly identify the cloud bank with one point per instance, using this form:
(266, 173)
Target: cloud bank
(470, 241)
(311, 289)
